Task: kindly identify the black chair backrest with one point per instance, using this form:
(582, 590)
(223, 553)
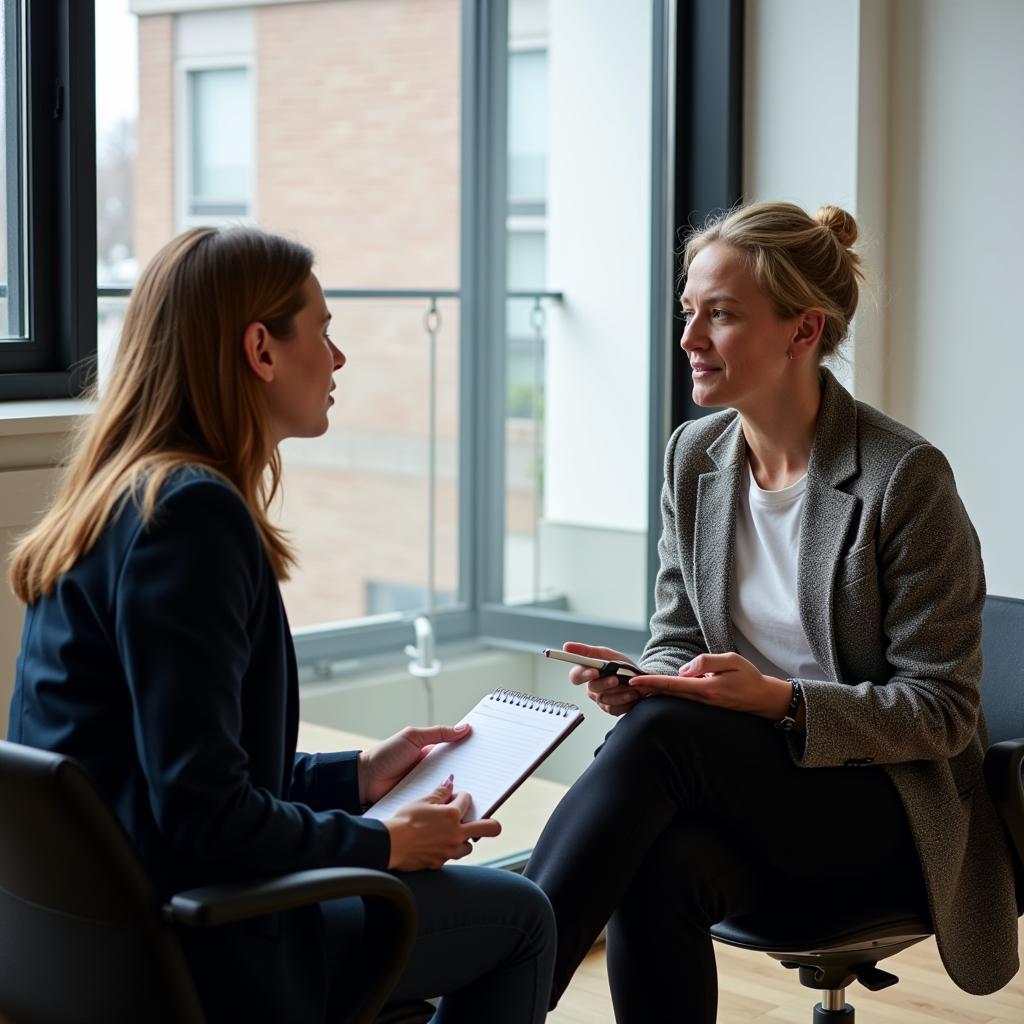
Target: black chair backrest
(81, 937)
(1002, 679)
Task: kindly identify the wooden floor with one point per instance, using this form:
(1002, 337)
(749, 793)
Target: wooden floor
(756, 990)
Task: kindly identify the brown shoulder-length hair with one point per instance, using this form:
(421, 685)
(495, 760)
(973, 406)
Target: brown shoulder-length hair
(180, 393)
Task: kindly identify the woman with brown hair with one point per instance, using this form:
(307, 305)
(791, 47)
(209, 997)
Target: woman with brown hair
(156, 651)
(808, 726)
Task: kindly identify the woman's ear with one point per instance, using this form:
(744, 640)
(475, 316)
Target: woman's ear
(809, 326)
(258, 354)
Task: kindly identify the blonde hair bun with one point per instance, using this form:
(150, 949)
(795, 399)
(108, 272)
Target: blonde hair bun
(839, 222)
(795, 263)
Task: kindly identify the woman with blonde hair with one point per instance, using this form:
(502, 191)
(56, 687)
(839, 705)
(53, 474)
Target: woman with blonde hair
(812, 732)
(157, 652)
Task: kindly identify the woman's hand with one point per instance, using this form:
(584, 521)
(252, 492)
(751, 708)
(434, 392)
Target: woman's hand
(428, 832)
(382, 766)
(725, 680)
(605, 691)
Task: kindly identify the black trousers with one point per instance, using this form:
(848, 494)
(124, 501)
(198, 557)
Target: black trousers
(689, 814)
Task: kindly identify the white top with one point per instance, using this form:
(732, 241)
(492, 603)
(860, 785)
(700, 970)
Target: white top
(763, 598)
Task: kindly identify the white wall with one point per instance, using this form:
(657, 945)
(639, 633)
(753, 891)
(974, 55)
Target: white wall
(816, 132)
(909, 114)
(956, 342)
(800, 100)
(599, 214)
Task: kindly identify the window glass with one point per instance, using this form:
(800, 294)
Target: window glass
(117, 126)
(335, 123)
(527, 271)
(579, 102)
(355, 501)
(527, 125)
(12, 273)
(357, 154)
(220, 135)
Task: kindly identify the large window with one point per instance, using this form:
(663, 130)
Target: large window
(362, 150)
(336, 123)
(486, 187)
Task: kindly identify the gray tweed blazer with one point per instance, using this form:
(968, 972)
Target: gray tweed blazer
(891, 588)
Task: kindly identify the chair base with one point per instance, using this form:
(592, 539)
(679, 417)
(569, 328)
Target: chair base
(847, 1015)
(830, 968)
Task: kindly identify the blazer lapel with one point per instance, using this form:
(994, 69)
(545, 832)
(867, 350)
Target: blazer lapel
(713, 534)
(825, 522)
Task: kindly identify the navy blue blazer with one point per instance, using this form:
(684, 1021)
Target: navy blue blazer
(163, 662)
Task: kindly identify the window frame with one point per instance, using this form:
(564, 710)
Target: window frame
(58, 135)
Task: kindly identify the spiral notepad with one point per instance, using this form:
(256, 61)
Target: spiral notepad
(512, 734)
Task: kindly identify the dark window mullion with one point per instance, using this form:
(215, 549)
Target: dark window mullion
(708, 138)
(41, 85)
(77, 218)
(60, 236)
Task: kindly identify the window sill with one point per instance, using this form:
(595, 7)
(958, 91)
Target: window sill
(52, 416)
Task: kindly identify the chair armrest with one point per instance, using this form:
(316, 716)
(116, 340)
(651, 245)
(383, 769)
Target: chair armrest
(388, 934)
(214, 905)
(1003, 763)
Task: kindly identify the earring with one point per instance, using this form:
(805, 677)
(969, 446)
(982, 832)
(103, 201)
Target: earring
(790, 356)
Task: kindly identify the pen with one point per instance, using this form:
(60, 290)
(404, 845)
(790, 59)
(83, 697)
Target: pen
(623, 670)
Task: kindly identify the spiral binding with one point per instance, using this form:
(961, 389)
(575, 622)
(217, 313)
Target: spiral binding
(528, 700)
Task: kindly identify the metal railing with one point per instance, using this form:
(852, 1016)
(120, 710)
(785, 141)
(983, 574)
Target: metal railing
(123, 292)
(432, 325)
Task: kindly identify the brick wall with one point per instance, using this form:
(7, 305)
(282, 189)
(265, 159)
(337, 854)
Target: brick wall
(358, 136)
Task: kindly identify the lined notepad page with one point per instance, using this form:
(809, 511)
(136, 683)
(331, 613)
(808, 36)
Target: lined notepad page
(511, 735)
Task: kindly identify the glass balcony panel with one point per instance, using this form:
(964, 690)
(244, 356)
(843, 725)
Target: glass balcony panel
(355, 501)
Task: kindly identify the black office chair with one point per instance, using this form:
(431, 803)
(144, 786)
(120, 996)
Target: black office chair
(83, 937)
(831, 951)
